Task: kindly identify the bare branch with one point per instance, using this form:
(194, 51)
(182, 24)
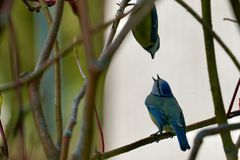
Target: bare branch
(79, 66)
(64, 52)
(152, 139)
(212, 32)
(84, 144)
(118, 15)
(51, 36)
(57, 77)
(44, 135)
(72, 122)
(231, 20)
(208, 132)
(40, 123)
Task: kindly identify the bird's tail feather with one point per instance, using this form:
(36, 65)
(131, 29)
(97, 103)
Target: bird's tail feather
(181, 136)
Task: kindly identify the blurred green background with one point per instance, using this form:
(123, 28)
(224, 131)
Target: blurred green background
(31, 30)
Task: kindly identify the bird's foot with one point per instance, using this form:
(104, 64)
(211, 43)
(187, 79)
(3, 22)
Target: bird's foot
(155, 135)
(171, 134)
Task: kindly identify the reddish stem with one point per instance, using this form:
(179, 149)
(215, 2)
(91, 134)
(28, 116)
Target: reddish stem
(233, 98)
(100, 130)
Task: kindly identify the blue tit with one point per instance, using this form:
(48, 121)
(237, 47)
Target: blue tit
(146, 32)
(165, 111)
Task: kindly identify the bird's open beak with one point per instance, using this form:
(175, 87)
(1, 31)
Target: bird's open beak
(158, 77)
(154, 79)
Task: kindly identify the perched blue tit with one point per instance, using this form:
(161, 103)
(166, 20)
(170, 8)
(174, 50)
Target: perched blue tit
(146, 32)
(165, 111)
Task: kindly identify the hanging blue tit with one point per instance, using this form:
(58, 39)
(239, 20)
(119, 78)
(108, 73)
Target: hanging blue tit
(165, 111)
(146, 32)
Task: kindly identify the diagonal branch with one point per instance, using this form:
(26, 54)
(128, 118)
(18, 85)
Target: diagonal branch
(84, 143)
(72, 122)
(34, 93)
(64, 52)
(152, 139)
(51, 36)
(57, 77)
(211, 31)
(73, 119)
(118, 15)
(209, 132)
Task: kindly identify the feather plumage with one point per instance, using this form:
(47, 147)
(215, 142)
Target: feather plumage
(165, 111)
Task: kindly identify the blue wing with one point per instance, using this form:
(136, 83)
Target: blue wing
(158, 116)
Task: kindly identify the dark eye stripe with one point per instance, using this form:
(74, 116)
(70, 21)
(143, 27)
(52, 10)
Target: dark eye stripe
(158, 88)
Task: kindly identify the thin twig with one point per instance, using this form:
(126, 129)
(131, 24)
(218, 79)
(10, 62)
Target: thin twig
(57, 78)
(64, 52)
(15, 70)
(51, 36)
(95, 110)
(138, 12)
(231, 20)
(73, 118)
(233, 97)
(118, 15)
(211, 31)
(105, 25)
(37, 73)
(46, 12)
(46, 140)
(209, 132)
(40, 122)
(78, 64)
(58, 98)
(151, 139)
(72, 122)
(84, 143)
